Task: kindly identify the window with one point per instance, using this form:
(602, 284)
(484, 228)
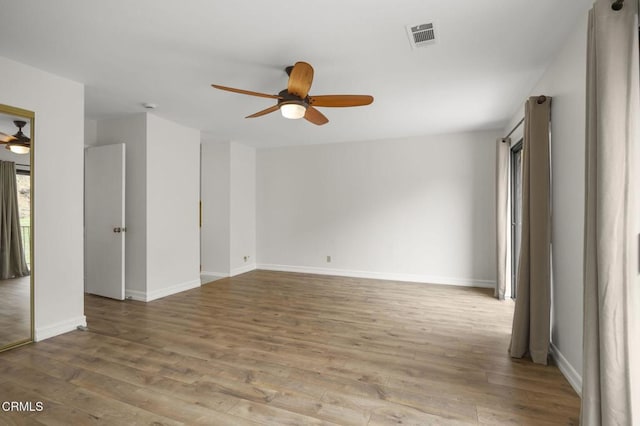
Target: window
(23, 186)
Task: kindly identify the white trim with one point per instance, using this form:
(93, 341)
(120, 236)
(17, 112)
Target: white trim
(214, 274)
(570, 373)
(242, 270)
(168, 291)
(42, 333)
(148, 296)
(140, 296)
(207, 277)
(391, 276)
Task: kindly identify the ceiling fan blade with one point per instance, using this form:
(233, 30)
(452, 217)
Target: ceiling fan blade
(340, 100)
(300, 79)
(315, 116)
(4, 138)
(246, 92)
(264, 112)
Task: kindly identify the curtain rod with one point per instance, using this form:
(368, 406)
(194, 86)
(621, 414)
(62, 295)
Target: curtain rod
(541, 100)
(617, 5)
(18, 164)
(513, 130)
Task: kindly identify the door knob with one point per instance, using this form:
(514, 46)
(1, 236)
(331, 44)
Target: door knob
(117, 230)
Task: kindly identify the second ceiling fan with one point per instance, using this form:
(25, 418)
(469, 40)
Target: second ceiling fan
(18, 143)
(295, 101)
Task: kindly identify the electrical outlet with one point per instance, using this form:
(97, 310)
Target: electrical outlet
(328, 259)
(246, 258)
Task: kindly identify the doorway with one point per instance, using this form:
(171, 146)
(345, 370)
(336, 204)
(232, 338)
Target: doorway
(104, 218)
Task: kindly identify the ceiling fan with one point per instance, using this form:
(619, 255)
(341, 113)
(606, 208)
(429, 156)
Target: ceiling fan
(18, 143)
(295, 102)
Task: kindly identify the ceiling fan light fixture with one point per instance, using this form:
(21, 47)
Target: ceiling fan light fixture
(18, 148)
(293, 111)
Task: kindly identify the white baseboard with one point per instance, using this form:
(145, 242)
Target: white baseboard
(168, 291)
(208, 276)
(140, 296)
(148, 296)
(42, 333)
(414, 278)
(242, 269)
(570, 373)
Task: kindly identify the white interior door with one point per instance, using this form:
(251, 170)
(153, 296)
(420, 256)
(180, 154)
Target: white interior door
(104, 179)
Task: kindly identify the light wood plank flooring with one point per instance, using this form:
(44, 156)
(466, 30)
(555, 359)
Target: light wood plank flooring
(283, 348)
(15, 310)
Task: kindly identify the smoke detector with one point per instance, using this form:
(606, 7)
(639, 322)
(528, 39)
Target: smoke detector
(149, 105)
(421, 35)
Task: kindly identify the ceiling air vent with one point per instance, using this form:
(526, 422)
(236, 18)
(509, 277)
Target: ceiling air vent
(421, 35)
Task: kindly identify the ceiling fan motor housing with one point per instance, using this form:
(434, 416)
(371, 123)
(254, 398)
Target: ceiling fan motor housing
(288, 98)
(19, 135)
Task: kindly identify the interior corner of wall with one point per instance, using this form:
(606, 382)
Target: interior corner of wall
(568, 371)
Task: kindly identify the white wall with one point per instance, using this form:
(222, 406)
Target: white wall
(132, 131)
(162, 196)
(242, 208)
(216, 209)
(173, 195)
(229, 209)
(565, 81)
(57, 192)
(418, 209)
(90, 132)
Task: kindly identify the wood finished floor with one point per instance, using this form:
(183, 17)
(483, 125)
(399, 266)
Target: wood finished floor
(15, 310)
(284, 348)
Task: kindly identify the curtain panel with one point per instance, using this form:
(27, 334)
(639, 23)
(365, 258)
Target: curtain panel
(12, 258)
(531, 318)
(610, 377)
(502, 215)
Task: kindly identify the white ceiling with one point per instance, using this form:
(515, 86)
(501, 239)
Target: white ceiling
(489, 55)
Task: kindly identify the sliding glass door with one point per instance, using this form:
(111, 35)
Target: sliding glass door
(516, 212)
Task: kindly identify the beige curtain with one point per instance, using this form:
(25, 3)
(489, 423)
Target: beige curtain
(531, 318)
(12, 260)
(502, 214)
(610, 379)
